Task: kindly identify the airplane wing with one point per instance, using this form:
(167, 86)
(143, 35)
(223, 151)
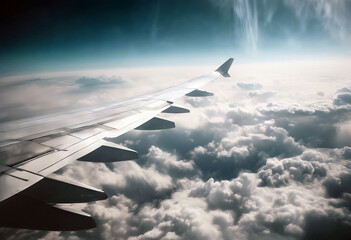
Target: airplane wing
(31, 195)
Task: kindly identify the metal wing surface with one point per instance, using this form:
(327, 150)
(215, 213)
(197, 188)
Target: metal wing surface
(31, 195)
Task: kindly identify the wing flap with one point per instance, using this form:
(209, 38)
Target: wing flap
(20, 151)
(21, 211)
(61, 142)
(13, 181)
(89, 132)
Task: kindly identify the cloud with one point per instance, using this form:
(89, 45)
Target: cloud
(261, 212)
(24, 82)
(277, 173)
(262, 95)
(346, 152)
(315, 127)
(331, 14)
(321, 94)
(342, 98)
(169, 164)
(246, 11)
(128, 178)
(93, 82)
(22, 234)
(337, 186)
(261, 25)
(233, 168)
(327, 225)
(245, 148)
(249, 86)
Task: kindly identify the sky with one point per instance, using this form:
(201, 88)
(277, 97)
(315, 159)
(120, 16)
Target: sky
(41, 36)
(267, 157)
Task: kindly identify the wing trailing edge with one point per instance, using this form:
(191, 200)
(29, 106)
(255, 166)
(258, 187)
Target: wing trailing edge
(56, 189)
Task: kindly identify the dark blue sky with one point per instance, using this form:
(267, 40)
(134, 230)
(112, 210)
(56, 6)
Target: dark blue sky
(65, 35)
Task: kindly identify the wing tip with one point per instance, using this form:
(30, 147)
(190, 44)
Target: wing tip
(223, 69)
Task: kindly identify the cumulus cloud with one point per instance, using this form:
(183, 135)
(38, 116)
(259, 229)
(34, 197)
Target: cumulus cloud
(342, 98)
(128, 178)
(278, 173)
(321, 224)
(315, 127)
(337, 186)
(346, 152)
(169, 164)
(235, 168)
(244, 148)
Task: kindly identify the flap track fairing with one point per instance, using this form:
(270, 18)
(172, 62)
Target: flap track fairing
(156, 123)
(110, 152)
(199, 93)
(176, 109)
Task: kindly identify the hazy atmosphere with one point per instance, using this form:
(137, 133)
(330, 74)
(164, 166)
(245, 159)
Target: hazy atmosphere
(267, 157)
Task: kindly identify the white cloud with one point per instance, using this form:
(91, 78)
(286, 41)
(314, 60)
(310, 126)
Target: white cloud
(239, 169)
(249, 86)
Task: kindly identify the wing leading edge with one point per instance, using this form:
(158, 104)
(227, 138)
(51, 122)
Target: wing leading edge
(32, 150)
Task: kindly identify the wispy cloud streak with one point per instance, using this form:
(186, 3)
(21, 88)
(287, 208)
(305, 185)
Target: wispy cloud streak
(247, 14)
(261, 23)
(332, 14)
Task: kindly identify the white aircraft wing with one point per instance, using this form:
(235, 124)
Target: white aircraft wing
(32, 150)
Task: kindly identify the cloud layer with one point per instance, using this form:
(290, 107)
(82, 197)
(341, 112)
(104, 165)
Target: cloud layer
(239, 166)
